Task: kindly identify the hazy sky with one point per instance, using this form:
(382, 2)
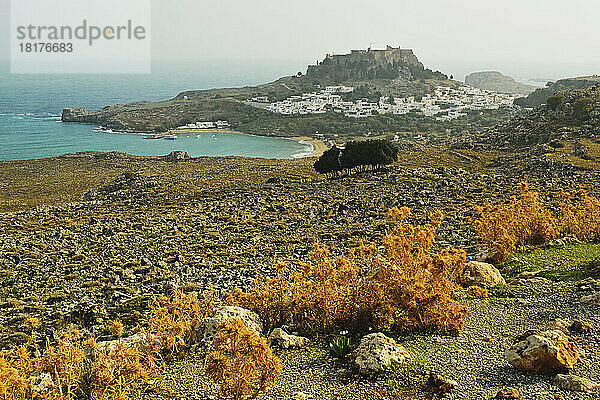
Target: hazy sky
(455, 36)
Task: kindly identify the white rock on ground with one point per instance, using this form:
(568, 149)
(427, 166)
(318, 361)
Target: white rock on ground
(284, 340)
(207, 328)
(41, 382)
(377, 352)
(139, 340)
(481, 274)
(543, 352)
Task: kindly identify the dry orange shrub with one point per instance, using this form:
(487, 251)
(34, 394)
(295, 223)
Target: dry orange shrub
(478, 292)
(523, 221)
(79, 367)
(173, 319)
(101, 375)
(242, 362)
(15, 368)
(64, 361)
(526, 221)
(401, 287)
(117, 372)
(579, 215)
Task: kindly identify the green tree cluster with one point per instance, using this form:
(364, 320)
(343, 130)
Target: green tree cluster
(357, 156)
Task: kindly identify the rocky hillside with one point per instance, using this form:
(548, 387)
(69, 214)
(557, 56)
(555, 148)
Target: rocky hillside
(391, 63)
(540, 96)
(569, 116)
(393, 71)
(497, 82)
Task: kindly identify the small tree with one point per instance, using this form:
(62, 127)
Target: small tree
(582, 108)
(329, 162)
(242, 362)
(555, 101)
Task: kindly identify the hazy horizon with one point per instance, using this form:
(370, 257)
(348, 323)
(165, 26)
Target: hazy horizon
(519, 38)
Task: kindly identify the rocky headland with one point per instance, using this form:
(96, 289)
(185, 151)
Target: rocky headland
(497, 82)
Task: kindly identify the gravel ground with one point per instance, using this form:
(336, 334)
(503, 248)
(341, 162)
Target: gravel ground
(475, 358)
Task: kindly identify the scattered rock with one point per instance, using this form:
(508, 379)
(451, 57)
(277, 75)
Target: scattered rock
(581, 327)
(207, 328)
(439, 385)
(481, 274)
(543, 352)
(284, 340)
(175, 156)
(575, 383)
(299, 396)
(377, 352)
(592, 299)
(41, 382)
(508, 393)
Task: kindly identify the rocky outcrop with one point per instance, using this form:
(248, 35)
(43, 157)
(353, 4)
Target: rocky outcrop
(569, 115)
(377, 352)
(74, 114)
(543, 352)
(496, 82)
(388, 63)
(207, 328)
(282, 339)
(481, 274)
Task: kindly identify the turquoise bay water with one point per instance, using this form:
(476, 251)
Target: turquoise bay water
(25, 136)
(30, 107)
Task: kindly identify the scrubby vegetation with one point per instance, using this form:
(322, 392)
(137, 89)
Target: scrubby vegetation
(242, 363)
(174, 319)
(525, 220)
(74, 368)
(402, 287)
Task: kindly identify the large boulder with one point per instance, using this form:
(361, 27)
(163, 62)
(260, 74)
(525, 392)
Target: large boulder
(377, 352)
(284, 340)
(206, 329)
(575, 383)
(543, 352)
(481, 274)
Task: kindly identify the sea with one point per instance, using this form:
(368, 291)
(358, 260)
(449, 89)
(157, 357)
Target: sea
(31, 105)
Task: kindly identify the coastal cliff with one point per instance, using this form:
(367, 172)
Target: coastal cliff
(540, 96)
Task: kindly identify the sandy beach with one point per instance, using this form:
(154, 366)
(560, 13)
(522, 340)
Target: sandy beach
(318, 145)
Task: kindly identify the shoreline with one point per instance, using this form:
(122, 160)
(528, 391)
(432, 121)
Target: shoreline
(319, 147)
